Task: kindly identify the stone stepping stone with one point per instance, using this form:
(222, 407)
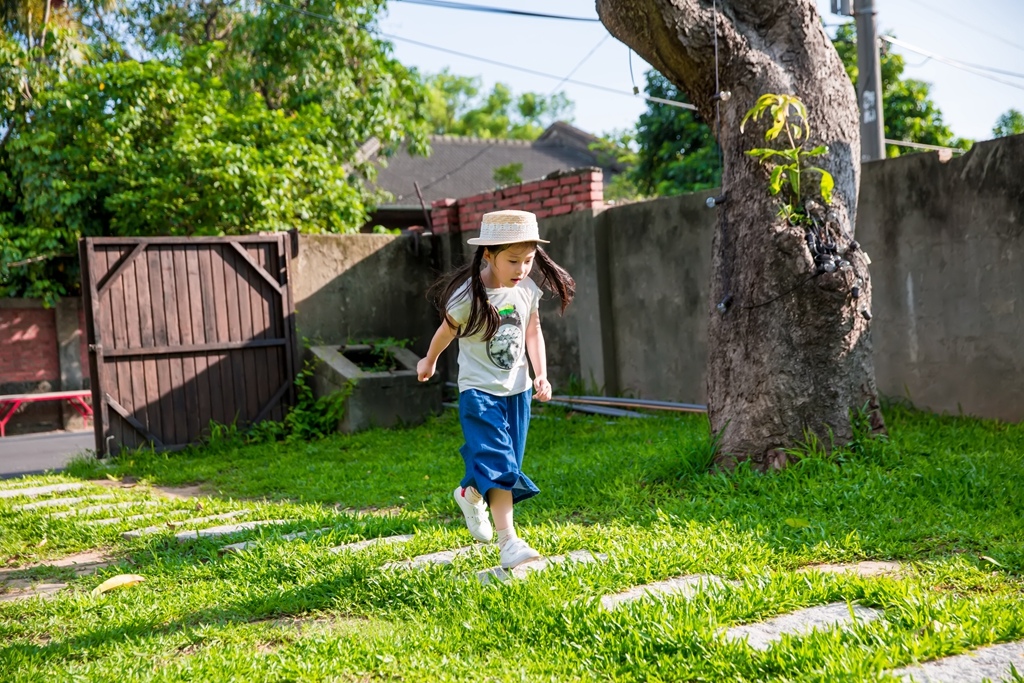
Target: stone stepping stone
(681, 586)
(992, 663)
(225, 529)
(443, 557)
(92, 509)
(36, 491)
(859, 568)
(362, 545)
(493, 574)
(761, 635)
(131, 518)
(168, 526)
(239, 547)
(59, 502)
(84, 563)
(41, 590)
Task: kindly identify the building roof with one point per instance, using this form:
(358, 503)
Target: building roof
(463, 166)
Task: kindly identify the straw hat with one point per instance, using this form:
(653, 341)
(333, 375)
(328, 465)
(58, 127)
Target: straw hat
(507, 227)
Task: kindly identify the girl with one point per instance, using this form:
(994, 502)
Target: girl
(491, 306)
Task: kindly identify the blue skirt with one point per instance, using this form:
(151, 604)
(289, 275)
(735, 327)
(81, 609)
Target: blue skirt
(495, 431)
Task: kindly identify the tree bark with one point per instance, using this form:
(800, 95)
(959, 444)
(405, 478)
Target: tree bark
(791, 354)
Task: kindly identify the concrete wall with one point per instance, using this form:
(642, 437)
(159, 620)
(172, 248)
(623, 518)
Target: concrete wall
(946, 239)
(349, 288)
(947, 248)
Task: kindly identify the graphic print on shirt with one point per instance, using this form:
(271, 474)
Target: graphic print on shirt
(505, 348)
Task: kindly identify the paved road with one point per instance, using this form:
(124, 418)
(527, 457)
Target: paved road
(35, 453)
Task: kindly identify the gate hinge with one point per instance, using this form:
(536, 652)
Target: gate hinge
(98, 348)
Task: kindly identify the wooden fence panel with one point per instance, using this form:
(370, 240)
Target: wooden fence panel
(184, 332)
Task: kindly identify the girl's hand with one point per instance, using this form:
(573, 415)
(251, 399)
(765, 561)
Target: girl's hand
(425, 369)
(542, 389)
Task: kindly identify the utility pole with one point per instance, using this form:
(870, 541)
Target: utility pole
(869, 77)
(869, 83)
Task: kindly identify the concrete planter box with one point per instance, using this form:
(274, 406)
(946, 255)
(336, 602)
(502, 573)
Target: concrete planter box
(377, 399)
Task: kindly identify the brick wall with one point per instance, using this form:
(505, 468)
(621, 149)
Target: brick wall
(28, 346)
(559, 193)
(30, 362)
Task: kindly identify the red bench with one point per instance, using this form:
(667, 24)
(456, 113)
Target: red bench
(10, 403)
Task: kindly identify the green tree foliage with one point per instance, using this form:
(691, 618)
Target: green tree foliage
(242, 118)
(1010, 122)
(456, 106)
(676, 149)
(910, 114)
(509, 174)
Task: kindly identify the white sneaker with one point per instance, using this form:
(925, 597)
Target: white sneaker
(476, 516)
(516, 552)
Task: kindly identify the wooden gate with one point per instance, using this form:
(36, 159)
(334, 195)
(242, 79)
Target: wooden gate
(185, 331)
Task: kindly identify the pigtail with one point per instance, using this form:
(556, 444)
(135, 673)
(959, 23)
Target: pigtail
(482, 315)
(555, 279)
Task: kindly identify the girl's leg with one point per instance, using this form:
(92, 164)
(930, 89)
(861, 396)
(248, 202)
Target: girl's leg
(501, 509)
(514, 550)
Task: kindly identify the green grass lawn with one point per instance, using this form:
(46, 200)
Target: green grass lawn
(942, 495)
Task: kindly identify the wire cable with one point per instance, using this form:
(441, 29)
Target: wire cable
(444, 4)
(961, 22)
(977, 71)
(681, 105)
(582, 62)
(921, 145)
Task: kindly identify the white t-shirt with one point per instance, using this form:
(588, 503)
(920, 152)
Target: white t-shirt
(498, 366)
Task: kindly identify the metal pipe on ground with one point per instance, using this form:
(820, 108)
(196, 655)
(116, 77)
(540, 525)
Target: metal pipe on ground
(632, 403)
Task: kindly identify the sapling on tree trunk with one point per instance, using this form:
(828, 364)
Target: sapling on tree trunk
(789, 336)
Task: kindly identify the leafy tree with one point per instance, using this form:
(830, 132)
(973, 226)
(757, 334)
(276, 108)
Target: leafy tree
(1010, 122)
(129, 148)
(509, 174)
(456, 106)
(910, 113)
(789, 336)
(677, 151)
(241, 118)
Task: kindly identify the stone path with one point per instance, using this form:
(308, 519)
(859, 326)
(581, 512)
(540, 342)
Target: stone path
(682, 586)
(442, 557)
(225, 529)
(61, 502)
(168, 526)
(493, 574)
(36, 491)
(360, 545)
(993, 663)
(988, 663)
(93, 509)
(239, 547)
(761, 635)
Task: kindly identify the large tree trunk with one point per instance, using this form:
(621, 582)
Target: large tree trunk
(785, 359)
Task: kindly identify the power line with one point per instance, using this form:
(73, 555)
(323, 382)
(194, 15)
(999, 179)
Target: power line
(921, 145)
(673, 103)
(977, 71)
(961, 22)
(444, 4)
(582, 62)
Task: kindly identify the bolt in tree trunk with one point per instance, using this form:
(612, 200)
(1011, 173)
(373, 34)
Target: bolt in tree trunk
(791, 354)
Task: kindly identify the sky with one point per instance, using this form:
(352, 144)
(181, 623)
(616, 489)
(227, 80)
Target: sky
(980, 32)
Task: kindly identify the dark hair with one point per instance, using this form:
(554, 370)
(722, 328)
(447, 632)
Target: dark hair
(482, 315)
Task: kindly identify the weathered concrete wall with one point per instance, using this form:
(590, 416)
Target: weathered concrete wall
(946, 240)
(349, 288)
(658, 272)
(947, 243)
